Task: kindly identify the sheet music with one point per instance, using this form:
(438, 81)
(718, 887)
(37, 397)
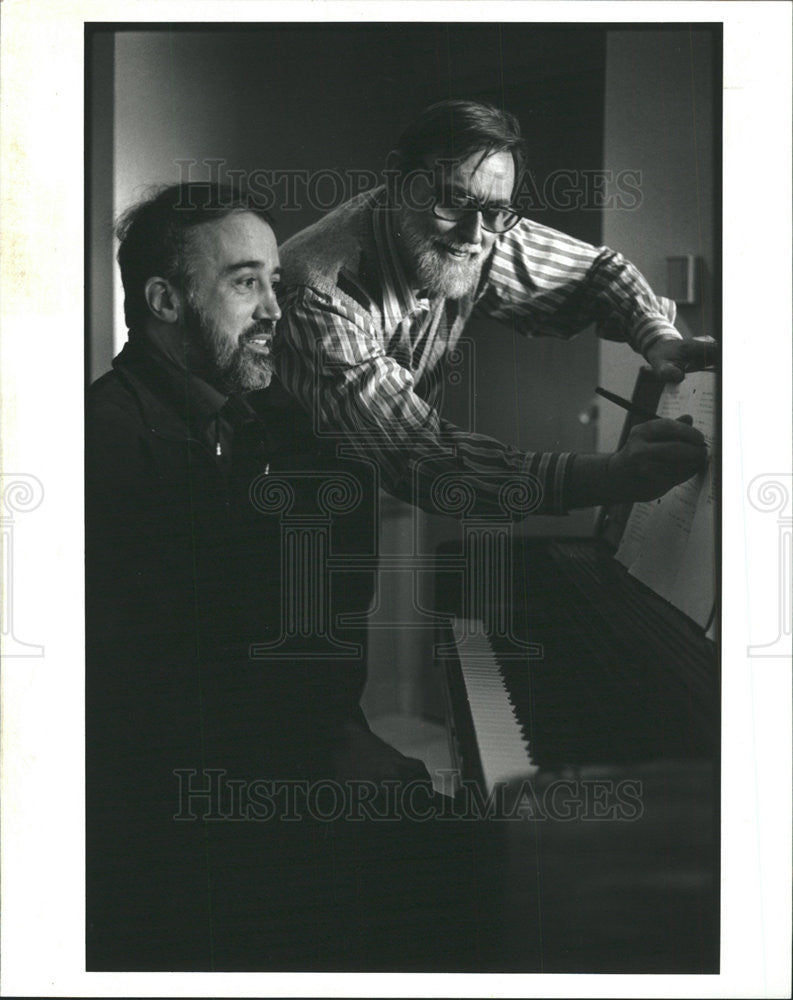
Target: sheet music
(668, 543)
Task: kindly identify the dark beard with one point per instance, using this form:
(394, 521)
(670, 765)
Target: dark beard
(234, 369)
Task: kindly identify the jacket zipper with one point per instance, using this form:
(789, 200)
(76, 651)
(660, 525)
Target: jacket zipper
(201, 445)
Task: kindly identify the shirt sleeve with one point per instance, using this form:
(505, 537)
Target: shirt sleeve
(545, 283)
(331, 357)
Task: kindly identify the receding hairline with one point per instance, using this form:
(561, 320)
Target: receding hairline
(191, 253)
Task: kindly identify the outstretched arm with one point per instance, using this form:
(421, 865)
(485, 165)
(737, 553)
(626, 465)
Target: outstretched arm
(332, 359)
(545, 283)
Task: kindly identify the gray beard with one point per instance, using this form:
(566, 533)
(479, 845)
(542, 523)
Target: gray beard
(433, 270)
(237, 369)
(246, 372)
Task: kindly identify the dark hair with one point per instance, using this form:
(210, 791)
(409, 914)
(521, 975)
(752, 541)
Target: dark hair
(456, 129)
(154, 236)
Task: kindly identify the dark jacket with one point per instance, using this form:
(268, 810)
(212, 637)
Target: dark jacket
(185, 569)
(185, 561)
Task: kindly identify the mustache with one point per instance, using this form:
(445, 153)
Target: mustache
(264, 328)
(471, 249)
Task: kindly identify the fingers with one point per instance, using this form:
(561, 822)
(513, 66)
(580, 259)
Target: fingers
(658, 455)
(661, 453)
(675, 358)
(658, 472)
(667, 371)
(684, 460)
(664, 429)
(699, 353)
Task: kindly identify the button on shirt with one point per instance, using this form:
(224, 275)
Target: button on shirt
(357, 347)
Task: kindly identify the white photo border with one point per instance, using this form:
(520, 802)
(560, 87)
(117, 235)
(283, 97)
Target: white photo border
(41, 351)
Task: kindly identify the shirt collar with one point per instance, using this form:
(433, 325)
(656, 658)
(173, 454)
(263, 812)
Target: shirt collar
(399, 299)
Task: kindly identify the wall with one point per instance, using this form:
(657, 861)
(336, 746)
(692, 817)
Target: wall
(310, 97)
(100, 208)
(659, 119)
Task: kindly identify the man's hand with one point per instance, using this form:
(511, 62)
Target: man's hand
(671, 359)
(657, 455)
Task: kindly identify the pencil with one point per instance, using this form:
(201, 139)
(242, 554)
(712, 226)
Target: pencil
(626, 404)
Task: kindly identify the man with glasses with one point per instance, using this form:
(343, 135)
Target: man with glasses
(379, 291)
(375, 296)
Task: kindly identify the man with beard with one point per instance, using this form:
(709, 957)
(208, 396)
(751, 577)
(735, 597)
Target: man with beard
(377, 293)
(183, 575)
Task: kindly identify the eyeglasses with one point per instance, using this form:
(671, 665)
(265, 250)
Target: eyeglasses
(452, 208)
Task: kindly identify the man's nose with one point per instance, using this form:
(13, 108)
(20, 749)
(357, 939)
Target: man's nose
(268, 307)
(471, 227)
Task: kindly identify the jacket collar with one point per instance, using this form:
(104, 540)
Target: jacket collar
(173, 400)
(399, 299)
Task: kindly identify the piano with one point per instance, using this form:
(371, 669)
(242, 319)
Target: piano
(602, 742)
(583, 714)
(620, 674)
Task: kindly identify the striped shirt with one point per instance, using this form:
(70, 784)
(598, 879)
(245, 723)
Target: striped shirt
(364, 354)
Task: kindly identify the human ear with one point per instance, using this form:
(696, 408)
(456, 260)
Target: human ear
(163, 300)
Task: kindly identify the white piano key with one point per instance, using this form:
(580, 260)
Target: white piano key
(503, 750)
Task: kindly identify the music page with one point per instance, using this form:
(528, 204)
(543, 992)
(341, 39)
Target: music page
(668, 543)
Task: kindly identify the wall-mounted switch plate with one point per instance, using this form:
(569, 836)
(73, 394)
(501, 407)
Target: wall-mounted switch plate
(682, 279)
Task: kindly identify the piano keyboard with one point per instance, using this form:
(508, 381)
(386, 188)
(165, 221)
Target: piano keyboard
(504, 752)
